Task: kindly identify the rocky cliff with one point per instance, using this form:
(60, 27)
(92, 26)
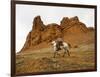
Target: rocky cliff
(70, 29)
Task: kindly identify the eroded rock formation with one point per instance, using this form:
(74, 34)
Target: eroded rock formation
(69, 29)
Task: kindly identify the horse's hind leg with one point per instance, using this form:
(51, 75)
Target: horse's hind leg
(68, 52)
(54, 54)
(64, 51)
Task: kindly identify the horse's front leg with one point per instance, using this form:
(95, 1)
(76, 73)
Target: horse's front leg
(64, 53)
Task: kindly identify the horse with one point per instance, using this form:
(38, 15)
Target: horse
(65, 46)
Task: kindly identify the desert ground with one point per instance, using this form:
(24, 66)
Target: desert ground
(81, 57)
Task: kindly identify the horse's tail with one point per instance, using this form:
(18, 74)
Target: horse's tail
(69, 45)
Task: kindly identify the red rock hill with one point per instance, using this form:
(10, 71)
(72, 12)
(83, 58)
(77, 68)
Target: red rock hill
(70, 29)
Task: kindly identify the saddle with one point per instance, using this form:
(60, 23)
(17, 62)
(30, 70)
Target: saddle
(59, 44)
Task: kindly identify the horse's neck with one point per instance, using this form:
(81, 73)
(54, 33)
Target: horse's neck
(54, 44)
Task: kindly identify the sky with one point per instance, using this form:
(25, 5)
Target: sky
(49, 14)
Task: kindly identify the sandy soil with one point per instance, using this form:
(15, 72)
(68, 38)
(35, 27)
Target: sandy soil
(41, 60)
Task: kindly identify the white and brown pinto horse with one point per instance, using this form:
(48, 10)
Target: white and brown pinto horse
(65, 47)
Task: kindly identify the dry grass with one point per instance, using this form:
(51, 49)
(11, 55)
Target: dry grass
(81, 58)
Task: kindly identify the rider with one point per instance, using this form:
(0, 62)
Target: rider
(59, 42)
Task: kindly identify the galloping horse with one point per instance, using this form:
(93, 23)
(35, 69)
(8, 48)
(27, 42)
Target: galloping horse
(64, 46)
